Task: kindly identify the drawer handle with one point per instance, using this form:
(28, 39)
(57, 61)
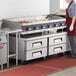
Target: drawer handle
(58, 48)
(38, 53)
(1, 47)
(58, 40)
(35, 44)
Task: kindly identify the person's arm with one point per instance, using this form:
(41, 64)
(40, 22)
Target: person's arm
(72, 23)
(73, 11)
(73, 20)
(62, 10)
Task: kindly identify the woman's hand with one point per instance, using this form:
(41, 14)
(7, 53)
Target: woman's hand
(71, 28)
(59, 10)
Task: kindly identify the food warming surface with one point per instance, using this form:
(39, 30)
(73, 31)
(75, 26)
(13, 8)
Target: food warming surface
(35, 19)
(34, 24)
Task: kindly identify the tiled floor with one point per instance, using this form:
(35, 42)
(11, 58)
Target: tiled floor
(59, 66)
(66, 72)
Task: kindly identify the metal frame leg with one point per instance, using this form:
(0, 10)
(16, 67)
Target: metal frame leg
(7, 50)
(2, 66)
(17, 34)
(16, 48)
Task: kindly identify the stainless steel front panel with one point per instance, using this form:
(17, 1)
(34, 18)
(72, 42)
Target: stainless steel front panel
(57, 39)
(3, 53)
(33, 54)
(57, 49)
(34, 44)
(27, 48)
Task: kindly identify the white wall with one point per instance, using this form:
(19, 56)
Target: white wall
(63, 4)
(57, 4)
(3, 8)
(17, 8)
(54, 5)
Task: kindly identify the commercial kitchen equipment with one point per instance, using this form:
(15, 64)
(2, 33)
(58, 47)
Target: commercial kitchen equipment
(40, 37)
(4, 36)
(3, 49)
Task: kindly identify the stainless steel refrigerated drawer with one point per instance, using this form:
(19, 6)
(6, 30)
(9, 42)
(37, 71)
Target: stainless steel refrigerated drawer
(57, 49)
(34, 44)
(57, 39)
(33, 54)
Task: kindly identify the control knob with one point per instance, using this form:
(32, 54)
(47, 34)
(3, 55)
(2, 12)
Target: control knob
(44, 27)
(29, 29)
(37, 28)
(62, 24)
(58, 24)
(53, 25)
(48, 26)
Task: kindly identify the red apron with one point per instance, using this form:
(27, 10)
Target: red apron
(68, 23)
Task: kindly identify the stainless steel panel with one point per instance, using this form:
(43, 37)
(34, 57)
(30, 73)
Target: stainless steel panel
(57, 39)
(27, 47)
(57, 49)
(42, 52)
(3, 39)
(34, 44)
(11, 24)
(3, 54)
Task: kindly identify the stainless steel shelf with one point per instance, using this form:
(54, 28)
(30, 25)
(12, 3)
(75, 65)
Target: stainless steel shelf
(12, 55)
(8, 51)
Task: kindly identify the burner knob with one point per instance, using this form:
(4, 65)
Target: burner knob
(58, 24)
(48, 26)
(34, 28)
(54, 25)
(41, 27)
(62, 24)
(29, 29)
(44, 27)
(51, 25)
(26, 29)
(37, 28)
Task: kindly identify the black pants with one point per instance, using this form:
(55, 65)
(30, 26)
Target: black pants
(73, 45)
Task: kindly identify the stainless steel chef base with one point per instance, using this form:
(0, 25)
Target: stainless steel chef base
(37, 47)
(31, 46)
(31, 49)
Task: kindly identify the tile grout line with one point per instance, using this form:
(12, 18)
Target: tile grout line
(48, 67)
